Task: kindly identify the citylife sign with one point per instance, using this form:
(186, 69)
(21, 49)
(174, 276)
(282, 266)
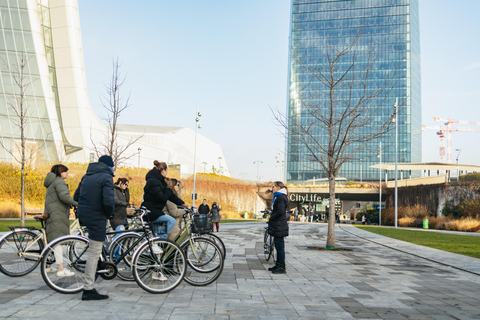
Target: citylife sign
(295, 197)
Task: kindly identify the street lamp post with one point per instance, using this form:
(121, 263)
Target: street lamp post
(380, 196)
(204, 167)
(458, 154)
(257, 162)
(361, 168)
(197, 126)
(138, 168)
(396, 159)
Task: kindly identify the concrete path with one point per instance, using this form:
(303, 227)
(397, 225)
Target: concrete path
(374, 281)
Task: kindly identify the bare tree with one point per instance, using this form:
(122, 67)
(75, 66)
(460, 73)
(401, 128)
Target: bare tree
(114, 103)
(19, 107)
(337, 112)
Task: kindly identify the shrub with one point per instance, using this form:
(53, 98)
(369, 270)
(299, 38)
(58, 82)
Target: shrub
(9, 210)
(406, 222)
(467, 224)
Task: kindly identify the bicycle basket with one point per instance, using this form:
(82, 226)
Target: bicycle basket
(201, 224)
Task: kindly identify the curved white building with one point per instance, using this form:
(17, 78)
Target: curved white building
(60, 124)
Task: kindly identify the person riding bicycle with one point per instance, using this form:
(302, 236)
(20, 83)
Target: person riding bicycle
(96, 204)
(156, 195)
(277, 224)
(57, 205)
(171, 208)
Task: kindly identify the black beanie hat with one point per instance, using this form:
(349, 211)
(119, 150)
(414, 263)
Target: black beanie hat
(107, 160)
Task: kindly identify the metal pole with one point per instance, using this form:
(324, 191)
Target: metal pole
(380, 196)
(361, 173)
(138, 168)
(396, 159)
(197, 118)
(256, 196)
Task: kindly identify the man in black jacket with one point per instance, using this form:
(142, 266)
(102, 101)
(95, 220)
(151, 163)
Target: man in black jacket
(96, 204)
(204, 208)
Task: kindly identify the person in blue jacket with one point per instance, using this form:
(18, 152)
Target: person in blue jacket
(96, 204)
(277, 224)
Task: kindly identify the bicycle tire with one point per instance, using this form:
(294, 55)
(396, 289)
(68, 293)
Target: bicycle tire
(74, 259)
(148, 268)
(12, 247)
(273, 252)
(267, 248)
(118, 247)
(201, 274)
(218, 241)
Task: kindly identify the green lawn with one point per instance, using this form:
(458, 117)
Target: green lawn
(466, 245)
(5, 223)
(16, 223)
(237, 220)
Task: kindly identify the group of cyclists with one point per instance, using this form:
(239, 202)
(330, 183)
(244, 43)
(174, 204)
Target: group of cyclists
(98, 199)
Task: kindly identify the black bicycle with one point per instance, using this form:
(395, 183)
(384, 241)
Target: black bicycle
(268, 244)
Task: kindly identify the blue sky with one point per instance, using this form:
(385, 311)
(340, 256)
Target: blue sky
(229, 58)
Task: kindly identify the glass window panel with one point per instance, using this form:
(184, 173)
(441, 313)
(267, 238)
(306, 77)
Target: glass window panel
(29, 47)
(9, 43)
(20, 46)
(25, 20)
(5, 16)
(15, 18)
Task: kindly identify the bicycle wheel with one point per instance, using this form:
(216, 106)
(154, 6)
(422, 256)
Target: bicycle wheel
(267, 245)
(273, 252)
(74, 253)
(217, 241)
(161, 271)
(19, 253)
(124, 245)
(204, 261)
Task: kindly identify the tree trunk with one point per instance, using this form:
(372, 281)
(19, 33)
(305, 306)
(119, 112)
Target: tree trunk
(331, 213)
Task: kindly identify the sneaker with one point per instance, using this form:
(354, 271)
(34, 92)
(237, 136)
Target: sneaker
(51, 270)
(157, 250)
(93, 295)
(159, 276)
(65, 273)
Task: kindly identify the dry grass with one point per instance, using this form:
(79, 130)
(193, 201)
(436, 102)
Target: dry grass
(9, 210)
(465, 224)
(406, 222)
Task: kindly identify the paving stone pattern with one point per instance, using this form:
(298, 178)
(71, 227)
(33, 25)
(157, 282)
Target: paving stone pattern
(370, 282)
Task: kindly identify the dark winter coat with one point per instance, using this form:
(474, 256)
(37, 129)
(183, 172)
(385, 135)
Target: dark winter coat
(156, 194)
(203, 209)
(96, 202)
(57, 205)
(122, 199)
(277, 224)
(215, 212)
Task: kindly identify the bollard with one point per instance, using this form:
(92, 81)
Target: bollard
(245, 216)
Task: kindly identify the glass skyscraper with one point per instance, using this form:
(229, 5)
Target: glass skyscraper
(388, 27)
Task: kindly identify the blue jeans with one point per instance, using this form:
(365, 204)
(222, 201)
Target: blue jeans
(280, 247)
(116, 250)
(170, 224)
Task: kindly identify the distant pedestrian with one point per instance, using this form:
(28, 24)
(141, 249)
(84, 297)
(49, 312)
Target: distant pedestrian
(96, 204)
(295, 215)
(204, 208)
(363, 219)
(215, 215)
(277, 224)
(57, 205)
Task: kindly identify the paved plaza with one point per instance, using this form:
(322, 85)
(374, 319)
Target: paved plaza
(380, 278)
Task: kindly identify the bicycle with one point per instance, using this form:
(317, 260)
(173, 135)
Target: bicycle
(21, 248)
(158, 265)
(205, 259)
(268, 241)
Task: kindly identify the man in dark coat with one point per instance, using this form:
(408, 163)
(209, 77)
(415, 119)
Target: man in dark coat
(96, 204)
(204, 208)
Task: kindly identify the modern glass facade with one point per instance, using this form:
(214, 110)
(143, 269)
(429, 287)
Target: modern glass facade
(388, 27)
(20, 72)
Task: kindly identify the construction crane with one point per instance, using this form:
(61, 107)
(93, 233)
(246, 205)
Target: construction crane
(444, 132)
